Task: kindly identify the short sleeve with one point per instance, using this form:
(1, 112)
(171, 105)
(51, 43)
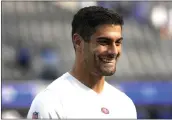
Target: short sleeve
(38, 110)
(133, 111)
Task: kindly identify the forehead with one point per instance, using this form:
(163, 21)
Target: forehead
(110, 31)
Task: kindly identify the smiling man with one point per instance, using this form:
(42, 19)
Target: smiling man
(83, 91)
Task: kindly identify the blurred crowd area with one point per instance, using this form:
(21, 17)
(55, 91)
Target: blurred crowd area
(37, 48)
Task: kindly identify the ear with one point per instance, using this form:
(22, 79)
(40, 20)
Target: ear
(77, 41)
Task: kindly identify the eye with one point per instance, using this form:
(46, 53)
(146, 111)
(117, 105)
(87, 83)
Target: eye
(103, 41)
(119, 42)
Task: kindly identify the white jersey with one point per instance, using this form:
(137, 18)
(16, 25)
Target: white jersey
(67, 98)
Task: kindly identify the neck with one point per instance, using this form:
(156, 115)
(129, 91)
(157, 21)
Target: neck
(89, 79)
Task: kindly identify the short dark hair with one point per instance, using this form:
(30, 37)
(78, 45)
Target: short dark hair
(87, 19)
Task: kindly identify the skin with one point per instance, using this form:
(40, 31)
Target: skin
(90, 68)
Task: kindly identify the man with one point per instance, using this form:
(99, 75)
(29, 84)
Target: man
(83, 92)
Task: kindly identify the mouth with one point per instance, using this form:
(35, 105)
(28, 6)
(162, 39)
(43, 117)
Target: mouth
(106, 60)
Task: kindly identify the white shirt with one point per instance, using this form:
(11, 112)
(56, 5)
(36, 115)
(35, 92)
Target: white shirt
(67, 98)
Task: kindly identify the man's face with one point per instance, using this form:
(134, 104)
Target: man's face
(102, 52)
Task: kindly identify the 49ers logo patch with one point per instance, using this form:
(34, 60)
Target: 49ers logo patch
(105, 110)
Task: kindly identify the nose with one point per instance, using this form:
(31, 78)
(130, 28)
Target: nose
(113, 49)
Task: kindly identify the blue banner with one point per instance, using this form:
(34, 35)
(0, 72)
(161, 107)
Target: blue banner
(148, 92)
(20, 95)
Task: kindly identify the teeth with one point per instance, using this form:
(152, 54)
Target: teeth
(105, 60)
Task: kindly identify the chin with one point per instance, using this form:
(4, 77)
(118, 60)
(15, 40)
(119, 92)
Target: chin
(108, 72)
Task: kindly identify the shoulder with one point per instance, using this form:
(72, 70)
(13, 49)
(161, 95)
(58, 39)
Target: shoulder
(46, 105)
(52, 91)
(60, 83)
(49, 99)
(118, 93)
(123, 100)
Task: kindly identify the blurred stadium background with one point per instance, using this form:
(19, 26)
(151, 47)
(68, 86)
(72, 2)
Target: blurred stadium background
(37, 48)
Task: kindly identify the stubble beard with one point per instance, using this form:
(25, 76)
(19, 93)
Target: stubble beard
(104, 69)
(98, 68)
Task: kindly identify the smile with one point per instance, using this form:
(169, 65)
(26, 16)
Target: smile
(106, 60)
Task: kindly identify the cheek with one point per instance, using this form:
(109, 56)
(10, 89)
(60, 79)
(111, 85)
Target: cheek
(89, 56)
(119, 50)
(101, 50)
(97, 53)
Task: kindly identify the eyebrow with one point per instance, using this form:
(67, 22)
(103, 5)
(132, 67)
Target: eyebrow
(109, 39)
